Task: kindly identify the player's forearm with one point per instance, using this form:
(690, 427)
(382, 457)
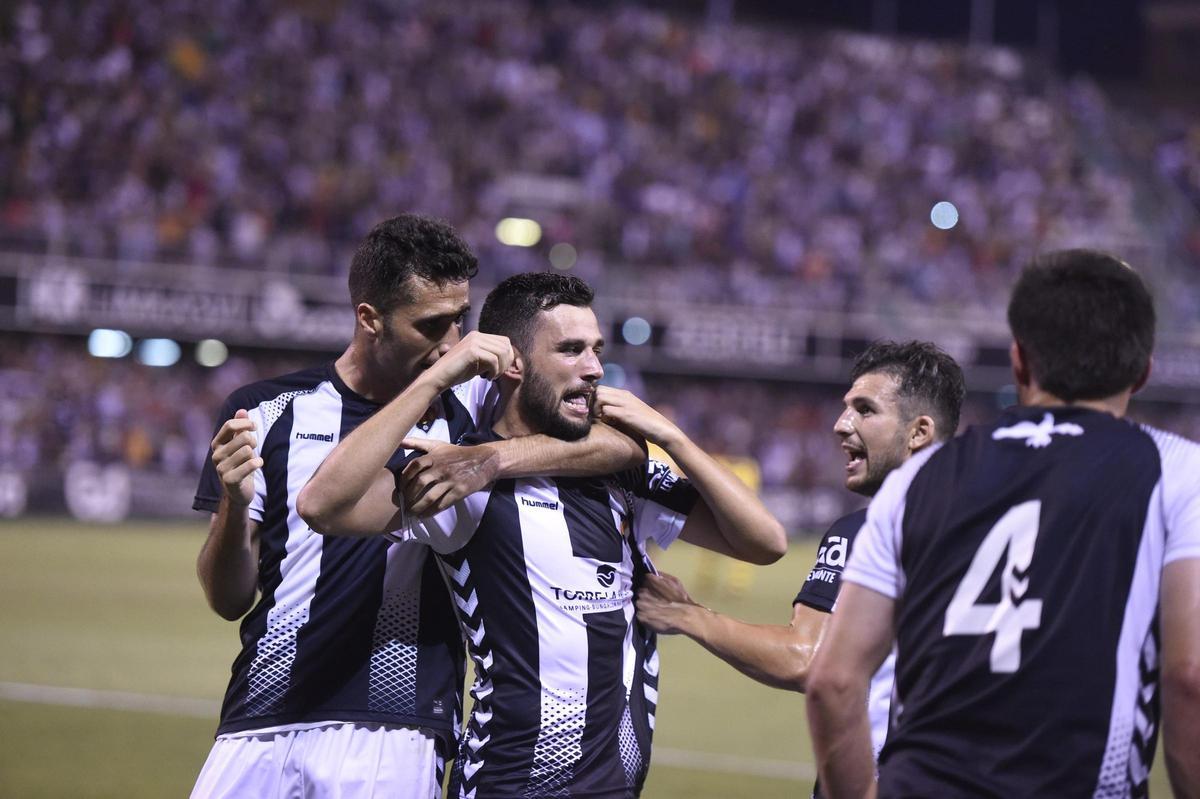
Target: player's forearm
(773, 655)
(603, 451)
(742, 520)
(841, 735)
(353, 467)
(228, 563)
(1181, 729)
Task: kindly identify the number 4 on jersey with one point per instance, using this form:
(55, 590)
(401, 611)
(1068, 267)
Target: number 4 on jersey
(1015, 533)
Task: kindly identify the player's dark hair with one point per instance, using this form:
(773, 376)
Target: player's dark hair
(511, 307)
(1084, 322)
(402, 247)
(930, 381)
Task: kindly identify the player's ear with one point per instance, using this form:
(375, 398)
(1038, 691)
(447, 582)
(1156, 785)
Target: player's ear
(516, 369)
(1020, 365)
(368, 319)
(1141, 381)
(921, 433)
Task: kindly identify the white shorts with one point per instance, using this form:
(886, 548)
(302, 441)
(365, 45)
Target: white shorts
(334, 761)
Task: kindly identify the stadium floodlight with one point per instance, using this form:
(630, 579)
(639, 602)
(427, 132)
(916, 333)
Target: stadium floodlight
(158, 352)
(614, 375)
(211, 352)
(563, 256)
(635, 331)
(944, 215)
(104, 343)
(517, 232)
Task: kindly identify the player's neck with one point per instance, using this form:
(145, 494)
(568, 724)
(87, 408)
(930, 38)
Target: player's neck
(1035, 395)
(353, 368)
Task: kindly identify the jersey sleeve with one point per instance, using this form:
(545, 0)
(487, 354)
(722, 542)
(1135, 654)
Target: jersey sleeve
(875, 562)
(661, 502)
(209, 491)
(451, 529)
(1180, 496)
(481, 398)
(820, 589)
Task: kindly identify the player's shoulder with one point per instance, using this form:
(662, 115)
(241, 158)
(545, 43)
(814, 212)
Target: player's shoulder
(272, 388)
(848, 525)
(1177, 453)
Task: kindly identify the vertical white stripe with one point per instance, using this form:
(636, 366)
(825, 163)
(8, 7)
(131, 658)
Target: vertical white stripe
(270, 674)
(550, 564)
(621, 514)
(1141, 605)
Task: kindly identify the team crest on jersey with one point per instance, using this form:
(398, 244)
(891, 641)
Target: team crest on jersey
(1038, 435)
(605, 575)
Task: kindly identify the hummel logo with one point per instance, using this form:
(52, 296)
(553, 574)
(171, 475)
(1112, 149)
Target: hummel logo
(1038, 435)
(327, 437)
(538, 503)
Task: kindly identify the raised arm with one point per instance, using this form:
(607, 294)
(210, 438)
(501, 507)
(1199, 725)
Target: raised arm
(859, 638)
(775, 655)
(731, 519)
(447, 473)
(351, 492)
(228, 563)
(1181, 675)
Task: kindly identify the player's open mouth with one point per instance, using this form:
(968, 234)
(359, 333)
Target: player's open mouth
(855, 456)
(579, 402)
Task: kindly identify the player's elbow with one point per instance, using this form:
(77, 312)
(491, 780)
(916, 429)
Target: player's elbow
(316, 511)
(229, 609)
(769, 546)
(827, 686)
(1181, 685)
(799, 666)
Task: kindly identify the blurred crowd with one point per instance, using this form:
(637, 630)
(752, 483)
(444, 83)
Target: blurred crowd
(728, 163)
(59, 405)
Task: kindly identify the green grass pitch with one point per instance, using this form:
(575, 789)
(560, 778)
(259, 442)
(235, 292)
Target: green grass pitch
(118, 609)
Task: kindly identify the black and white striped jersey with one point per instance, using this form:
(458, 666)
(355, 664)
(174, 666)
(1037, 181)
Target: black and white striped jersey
(1025, 558)
(542, 571)
(346, 629)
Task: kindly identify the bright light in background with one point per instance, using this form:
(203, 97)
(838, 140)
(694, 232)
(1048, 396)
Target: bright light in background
(158, 352)
(563, 256)
(211, 352)
(105, 343)
(516, 232)
(635, 330)
(614, 375)
(944, 215)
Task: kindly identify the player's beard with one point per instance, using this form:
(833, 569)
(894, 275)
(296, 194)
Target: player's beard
(540, 404)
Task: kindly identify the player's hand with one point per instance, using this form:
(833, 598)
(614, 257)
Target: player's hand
(233, 456)
(444, 474)
(621, 409)
(664, 605)
(477, 353)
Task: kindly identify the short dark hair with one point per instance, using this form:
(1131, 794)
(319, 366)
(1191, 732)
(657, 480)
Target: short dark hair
(511, 307)
(930, 381)
(407, 246)
(1084, 321)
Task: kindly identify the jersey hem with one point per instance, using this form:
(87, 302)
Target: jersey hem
(441, 728)
(814, 604)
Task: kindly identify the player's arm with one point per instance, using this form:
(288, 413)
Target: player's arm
(446, 473)
(1180, 629)
(775, 655)
(228, 563)
(859, 638)
(730, 519)
(351, 493)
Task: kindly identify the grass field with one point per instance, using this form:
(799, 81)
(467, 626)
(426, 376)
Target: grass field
(117, 613)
